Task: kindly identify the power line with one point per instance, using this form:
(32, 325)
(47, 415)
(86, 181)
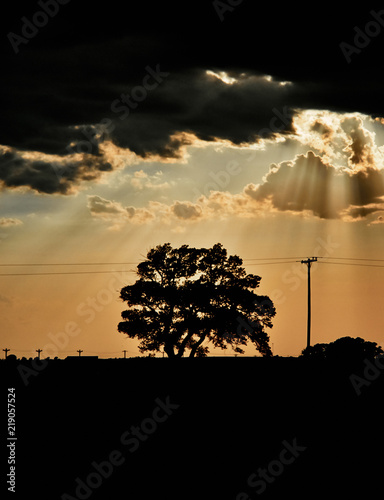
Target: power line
(70, 272)
(326, 262)
(113, 263)
(71, 352)
(276, 258)
(133, 263)
(73, 264)
(270, 263)
(131, 271)
(352, 258)
(328, 258)
(259, 262)
(65, 351)
(136, 263)
(351, 264)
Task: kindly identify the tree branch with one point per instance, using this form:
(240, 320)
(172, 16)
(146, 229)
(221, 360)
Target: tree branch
(184, 343)
(197, 345)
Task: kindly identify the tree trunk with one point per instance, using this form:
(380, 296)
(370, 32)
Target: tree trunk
(183, 344)
(168, 347)
(196, 346)
(169, 350)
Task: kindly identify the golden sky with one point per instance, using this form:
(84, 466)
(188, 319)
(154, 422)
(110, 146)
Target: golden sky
(316, 189)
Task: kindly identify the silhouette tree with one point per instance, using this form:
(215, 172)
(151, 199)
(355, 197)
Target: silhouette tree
(317, 351)
(344, 349)
(187, 296)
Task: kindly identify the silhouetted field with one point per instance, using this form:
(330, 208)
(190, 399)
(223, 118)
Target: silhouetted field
(203, 428)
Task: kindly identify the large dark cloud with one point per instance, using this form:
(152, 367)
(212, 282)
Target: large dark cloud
(202, 104)
(76, 66)
(188, 101)
(49, 177)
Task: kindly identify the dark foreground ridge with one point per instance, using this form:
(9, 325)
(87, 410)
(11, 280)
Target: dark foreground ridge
(205, 428)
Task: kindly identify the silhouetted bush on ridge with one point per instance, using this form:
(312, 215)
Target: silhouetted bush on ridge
(344, 349)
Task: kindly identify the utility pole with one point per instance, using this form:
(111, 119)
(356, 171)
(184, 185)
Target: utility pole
(125, 354)
(79, 351)
(6, 350)
(309, 262)
(39, 351)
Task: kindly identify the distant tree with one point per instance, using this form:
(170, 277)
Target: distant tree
(186, 297)
(317, 351)
(345, 348)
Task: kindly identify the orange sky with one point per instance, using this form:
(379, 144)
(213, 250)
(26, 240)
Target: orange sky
(262, 201)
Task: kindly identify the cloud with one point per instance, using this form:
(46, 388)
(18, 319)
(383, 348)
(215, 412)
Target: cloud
(361, 212)
(198, 103)
(114, 211)
(61, 87)
(101, 206)
(365, 187)
(360, 147)
(8, 221)
(224, 204)
(142, 180)
(323, 129)
(53, 151)
(378, 221)
(299, 185)
(54, 176)
(186, 104)
(307, 185)
(51, 115)
(310, 183)
(186, 210)
(341, 181)
(119, 215)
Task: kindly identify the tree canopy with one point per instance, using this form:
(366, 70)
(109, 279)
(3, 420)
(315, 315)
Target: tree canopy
(185, 298)
(344, 348)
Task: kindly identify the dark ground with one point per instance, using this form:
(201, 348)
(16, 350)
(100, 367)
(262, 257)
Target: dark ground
(234, 415)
